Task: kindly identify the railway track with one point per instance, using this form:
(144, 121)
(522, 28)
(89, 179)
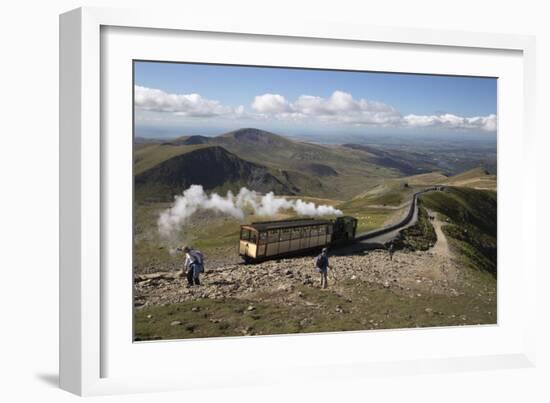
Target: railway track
(381, 236)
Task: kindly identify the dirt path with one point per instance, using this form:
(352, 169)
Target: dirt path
(441, 247)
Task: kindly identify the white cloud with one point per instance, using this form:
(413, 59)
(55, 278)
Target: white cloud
(339, 102)
(449, 121)
(339, 108)
(342, 108)
(270, 103)
(190, 105)
(487, 123)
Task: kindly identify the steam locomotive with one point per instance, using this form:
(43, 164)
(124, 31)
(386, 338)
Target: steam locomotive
(272, 239)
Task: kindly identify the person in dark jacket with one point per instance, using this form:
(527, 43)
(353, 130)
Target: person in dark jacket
(391, 249)
(322, 265)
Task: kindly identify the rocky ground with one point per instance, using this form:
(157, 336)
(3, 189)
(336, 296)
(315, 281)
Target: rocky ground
(408, 272)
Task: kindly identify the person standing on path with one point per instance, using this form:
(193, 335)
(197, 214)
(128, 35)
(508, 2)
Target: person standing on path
(192, 267)
(391, 249)
(322, 265)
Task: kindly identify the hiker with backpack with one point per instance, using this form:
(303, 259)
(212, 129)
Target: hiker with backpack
(193, 266)
(322, 266)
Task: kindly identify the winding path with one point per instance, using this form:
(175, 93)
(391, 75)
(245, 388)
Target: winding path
(441, 246)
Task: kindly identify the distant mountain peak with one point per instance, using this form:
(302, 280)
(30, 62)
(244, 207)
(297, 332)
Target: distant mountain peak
(189, 140)
(255, 135)
(196, 139)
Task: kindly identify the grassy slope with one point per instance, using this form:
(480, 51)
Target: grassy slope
(369, 217)
(476, 178)
(473, 178)
(472, 228)
(432, 178)
(146, 156)
(355, 172)
(420, 236)
(213, 167)
(393, 192)
(370, 307)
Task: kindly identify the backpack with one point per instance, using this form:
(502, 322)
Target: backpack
(198, 258)
(319, 261)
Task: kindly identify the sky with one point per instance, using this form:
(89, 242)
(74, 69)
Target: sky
(172, 99)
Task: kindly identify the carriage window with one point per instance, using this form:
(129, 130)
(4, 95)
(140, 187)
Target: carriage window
(296, 233)
(285, 235)
(253, 236)
(273, 236)
(263, 237)
(314, 230)
(329, 229)
(245, 234)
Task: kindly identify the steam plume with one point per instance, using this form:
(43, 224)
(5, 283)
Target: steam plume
(194, 198)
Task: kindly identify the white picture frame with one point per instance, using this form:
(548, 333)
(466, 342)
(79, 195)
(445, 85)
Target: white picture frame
(87, 343)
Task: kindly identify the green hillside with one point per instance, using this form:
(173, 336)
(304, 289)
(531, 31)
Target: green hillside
(213, 167)
(301, 168)
(472, 223)
(318, 170)
(478, 178)
(147, 156)
(406, 162)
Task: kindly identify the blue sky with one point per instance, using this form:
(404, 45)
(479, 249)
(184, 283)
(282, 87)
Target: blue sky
(179, 98)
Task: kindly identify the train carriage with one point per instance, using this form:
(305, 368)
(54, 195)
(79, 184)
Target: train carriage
(269, 239)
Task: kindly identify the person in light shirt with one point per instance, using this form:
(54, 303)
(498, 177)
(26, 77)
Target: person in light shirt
(193, 266)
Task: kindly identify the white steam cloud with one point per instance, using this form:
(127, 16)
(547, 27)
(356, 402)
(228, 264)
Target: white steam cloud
(195, 198)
